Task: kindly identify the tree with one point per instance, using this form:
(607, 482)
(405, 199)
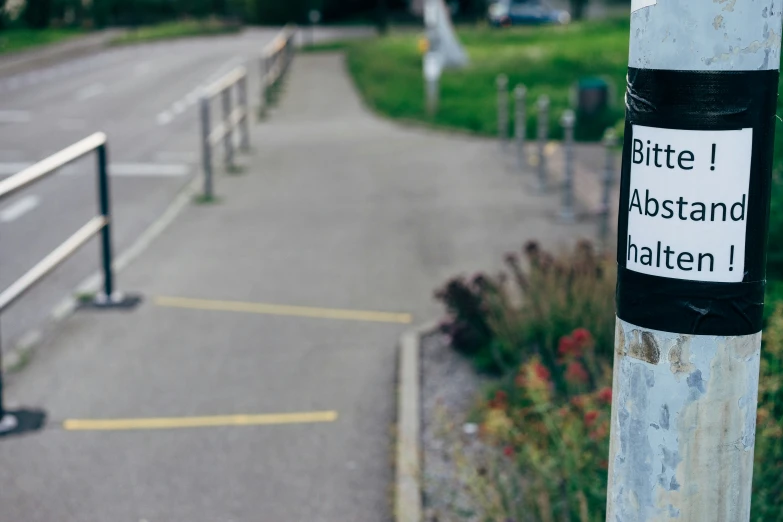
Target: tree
(382, 17)
(37, 13)
(578, 9)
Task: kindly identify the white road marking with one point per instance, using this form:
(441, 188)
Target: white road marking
(13, 116)
(19, 208)
(164, 118)
(148, 169)
(179, 107)
(90, 91)
(72, 124)
(172, 156)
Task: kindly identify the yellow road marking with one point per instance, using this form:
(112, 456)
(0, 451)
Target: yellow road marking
(284, 310)
(164, 423)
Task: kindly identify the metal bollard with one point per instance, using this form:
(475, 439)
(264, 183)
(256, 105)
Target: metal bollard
(568, 120)
(244, 124)
(520, 122)
(206, 147)
(610, 142)
(432, 83)
(543, 133)
(228, 139)
(432, 96)
(502, 85)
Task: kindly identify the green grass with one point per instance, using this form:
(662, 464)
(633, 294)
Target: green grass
(548, 60)
(178, 29)
(325, 47)
(12, 40)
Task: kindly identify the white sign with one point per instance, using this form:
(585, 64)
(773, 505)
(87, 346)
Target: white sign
(432, 67)
(430, 14)
(688, 207)
(639, 4)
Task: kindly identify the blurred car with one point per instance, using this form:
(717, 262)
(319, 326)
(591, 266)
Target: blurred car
(504, 13)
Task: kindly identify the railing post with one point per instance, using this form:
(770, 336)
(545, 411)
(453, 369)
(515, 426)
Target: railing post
(543, 133)
(206, 147)
(105, 209)
(244, 124)
(264, 75)
(502, 85)
(567, 210)
(520, 122)
(228, 138)
(610, 142)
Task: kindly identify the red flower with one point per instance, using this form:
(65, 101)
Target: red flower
(567, 346)
(599, 433)
(582, 337)
(590, 417)
(576, 373)
(605, 395)
(580, 401)
(508, 451)
(520, 380)
(499, 401)
(541, 371)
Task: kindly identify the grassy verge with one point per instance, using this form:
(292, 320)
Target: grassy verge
(325, 47)
(178, 29)
(548, 60)
(13, 40)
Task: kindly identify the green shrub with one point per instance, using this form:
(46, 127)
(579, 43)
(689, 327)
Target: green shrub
(547, 330)
(499, 322)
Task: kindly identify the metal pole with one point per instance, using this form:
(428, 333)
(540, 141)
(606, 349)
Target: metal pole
(502, 85)
(244, 124)
(520, 122)
(432, 96)
(543, 134)
(610, 142)
(567, 210)
(228, 138)
(104, 205)
(206, 147)
(702, 87)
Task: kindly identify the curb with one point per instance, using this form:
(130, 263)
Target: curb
(26, 60)
(407, 479)
(18, 355)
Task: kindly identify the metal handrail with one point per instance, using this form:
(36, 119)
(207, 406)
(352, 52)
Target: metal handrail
(99, 224)
(236, 118)
(275, 59)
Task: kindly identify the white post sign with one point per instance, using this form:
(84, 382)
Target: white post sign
(432, 67)
(687, 216)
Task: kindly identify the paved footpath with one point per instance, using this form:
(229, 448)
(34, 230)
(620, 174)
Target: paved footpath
(338, 211)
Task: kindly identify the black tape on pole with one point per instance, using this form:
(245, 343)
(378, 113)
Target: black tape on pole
(701, 101)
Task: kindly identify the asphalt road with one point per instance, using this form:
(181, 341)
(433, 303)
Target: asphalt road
(338, 211)
(145, 99)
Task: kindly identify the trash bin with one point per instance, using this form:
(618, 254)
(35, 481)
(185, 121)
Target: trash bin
(592, 96)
